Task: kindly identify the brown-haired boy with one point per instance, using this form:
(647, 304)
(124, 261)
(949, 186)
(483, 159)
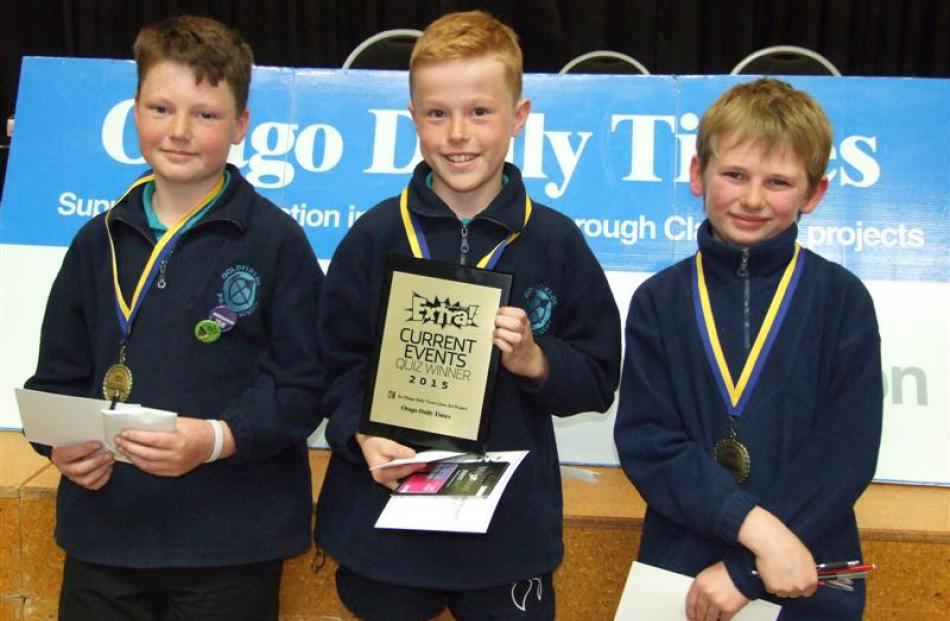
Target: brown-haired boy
(192, 294)
(563, 359)
(751, 400)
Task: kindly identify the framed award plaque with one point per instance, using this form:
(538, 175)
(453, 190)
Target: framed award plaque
(433, 367)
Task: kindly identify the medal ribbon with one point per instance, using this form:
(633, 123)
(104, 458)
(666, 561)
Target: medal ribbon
(126, 311)
(417, 238)
(736, 395)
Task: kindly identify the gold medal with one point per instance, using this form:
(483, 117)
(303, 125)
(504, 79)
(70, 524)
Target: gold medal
(117, 383)
(734, 457)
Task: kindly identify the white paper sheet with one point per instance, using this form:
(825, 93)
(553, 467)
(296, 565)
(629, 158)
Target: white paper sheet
(460, 514)
(127, 416)
(61, 420)
(653, 593)
(423, 457)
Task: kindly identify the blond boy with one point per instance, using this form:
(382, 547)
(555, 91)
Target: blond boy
(465, 81)
(751, 433)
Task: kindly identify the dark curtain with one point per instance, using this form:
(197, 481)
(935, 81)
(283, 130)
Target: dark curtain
(861, 37)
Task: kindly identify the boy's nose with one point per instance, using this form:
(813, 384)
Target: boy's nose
(458, 130)
(754, 197)
(181, 126)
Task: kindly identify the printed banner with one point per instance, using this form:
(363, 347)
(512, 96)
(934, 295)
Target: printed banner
(611, 152)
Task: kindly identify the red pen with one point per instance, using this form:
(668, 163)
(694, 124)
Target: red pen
(842, 572)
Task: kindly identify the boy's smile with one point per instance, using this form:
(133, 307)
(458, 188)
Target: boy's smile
(185, 129)
(465, 115)
(750, 196)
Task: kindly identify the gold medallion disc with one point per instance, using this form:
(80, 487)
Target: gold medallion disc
(734, 457)
(117, 383)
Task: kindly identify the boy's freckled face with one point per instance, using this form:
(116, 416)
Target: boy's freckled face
(465, 115)
(185, 129)
(750, 196)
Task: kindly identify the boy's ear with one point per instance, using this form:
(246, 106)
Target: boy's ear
(522, 110)
(240, 126)
(695, 177)
(815, 197)
(412, 111)
(135, 109)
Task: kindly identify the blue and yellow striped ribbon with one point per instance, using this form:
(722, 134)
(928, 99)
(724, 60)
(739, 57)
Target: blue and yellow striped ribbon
(417, 238)
(126, 311)
(736, 394)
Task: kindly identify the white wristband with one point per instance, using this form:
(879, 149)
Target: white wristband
(218, 428)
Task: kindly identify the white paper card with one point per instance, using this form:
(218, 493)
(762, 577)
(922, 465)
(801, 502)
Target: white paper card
(459, 514)
(61, 420)
(654, 593)
(423, 457)
(127, 416)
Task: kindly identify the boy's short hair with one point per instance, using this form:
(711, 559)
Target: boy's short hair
(466, 35)
(211, 49)
(771, 114)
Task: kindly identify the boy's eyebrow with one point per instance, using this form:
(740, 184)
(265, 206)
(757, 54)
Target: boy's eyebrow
(475, 102)
(787, 176)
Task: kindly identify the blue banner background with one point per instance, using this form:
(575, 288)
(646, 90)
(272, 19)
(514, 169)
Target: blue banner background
(891, 135)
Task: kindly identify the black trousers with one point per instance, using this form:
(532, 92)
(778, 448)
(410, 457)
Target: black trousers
(526, 600)
(93, 592)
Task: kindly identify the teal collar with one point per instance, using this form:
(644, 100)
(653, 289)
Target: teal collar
(156, 225)
(431, 177)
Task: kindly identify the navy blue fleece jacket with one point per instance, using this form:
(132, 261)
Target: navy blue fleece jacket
(812, 425)
(580, 336)
(262, 377)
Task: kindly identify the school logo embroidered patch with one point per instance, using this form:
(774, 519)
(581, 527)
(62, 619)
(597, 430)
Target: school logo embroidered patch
(539, 304)
(239, 289)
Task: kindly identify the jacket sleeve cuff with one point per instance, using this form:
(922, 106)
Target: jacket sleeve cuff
(740, 563)
(733, 514)
(341, 433)
(42, 449)
(350, 450)
(542, 389)
(241, 430)
(565, 391)
(354, 453)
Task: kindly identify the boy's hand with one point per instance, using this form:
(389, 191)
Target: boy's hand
(86, 464)
(785, 565)
(713, 595)
(519, 353)
(378, 451)
(173, 454)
